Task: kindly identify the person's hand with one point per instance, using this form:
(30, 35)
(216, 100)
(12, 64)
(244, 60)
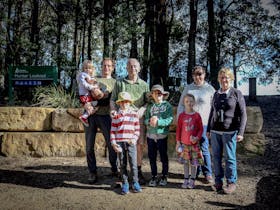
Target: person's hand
(194, 139)
(89, 108)
(153, 121)
(178, 144)
(208, 135)
(113, 113)
(239, 138)
(131, 142)
(116, 147)
(97, 93)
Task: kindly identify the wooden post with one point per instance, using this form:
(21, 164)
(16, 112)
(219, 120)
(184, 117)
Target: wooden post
(252, 89)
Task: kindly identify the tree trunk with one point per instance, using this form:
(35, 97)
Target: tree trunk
(212, 50)
(191, 40)
(17, 32)
(106, 41)
(159, 68)
(89, 28)
(34, 36)
(133, 24)
(147, 38)
(75, 54)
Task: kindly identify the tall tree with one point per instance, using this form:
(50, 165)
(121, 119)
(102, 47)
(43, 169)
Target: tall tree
(212, 49)
(159, 67)
(133, 26)
(89, 12)
(34, 35)
(191, 39)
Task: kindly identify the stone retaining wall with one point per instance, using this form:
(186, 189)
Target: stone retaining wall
(42, 132)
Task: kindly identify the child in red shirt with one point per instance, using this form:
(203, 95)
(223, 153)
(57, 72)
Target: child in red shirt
(188, 134)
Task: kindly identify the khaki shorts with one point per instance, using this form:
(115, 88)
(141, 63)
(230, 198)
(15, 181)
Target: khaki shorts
(142, 137)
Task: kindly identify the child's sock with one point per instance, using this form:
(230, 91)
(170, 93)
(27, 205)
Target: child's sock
(186, 170)
(193, 172)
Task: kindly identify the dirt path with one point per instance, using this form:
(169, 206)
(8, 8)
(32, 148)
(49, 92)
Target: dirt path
(61, 183)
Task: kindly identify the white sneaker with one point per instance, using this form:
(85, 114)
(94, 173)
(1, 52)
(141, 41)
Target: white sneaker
(163, 181)
(153, 182)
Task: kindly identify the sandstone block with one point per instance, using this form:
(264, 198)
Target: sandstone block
(45, 144)
(254, 119)
(67, 120)
(25, 119)
(252, 143)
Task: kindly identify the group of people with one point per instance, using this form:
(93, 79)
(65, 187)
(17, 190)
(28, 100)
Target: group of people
(129, 114)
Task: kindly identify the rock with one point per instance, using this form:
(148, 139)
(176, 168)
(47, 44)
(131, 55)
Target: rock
(45, 144)
(254, 119)
(25, 119)
(67, 120)
(252, 143)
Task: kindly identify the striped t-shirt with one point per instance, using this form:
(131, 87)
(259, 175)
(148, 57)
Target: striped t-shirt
(125, 126)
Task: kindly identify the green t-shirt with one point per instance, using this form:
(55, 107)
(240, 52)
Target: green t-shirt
(137, 90)
(107, 84)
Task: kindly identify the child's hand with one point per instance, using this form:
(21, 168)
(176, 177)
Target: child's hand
(113, 113)
(117, 148)
(178, 144)
(153, 121)
(194, 139)
(131, 142)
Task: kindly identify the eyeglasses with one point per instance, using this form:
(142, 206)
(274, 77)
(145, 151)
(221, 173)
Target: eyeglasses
(197, 74)
(158, 93)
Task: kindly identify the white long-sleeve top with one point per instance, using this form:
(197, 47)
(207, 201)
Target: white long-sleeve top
(83, 85)
(203, 96)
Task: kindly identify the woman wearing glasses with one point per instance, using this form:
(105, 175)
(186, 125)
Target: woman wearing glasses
(227, 121)
(203, 93)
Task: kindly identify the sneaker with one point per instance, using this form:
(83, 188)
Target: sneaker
(217, 187)
(136, 187)
(125, 188)
(84, 121)
(209, 179)
(191, 184)
(153, 182)
(92, 178)
(230, 188)
(141, 178)
(163, 181)
(185, 184)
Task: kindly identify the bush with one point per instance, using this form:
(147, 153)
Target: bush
(55, 97)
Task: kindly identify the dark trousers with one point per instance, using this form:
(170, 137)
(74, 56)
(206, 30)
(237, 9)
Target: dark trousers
(104, 123)
(159, 145)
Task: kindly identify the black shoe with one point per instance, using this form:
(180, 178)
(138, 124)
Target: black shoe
(92, 178)
(141, 178)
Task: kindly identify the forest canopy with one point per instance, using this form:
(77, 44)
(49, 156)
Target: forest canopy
(168, 37)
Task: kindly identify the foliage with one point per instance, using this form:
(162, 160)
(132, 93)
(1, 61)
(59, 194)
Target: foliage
(55, 97)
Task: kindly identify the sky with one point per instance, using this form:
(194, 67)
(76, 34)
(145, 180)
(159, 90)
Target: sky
(272, 89)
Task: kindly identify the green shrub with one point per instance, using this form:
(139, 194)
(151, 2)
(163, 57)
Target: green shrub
(55, 97)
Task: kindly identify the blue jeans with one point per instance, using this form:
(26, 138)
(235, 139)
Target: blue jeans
(128, 152)
(161, 146)
(204, 146)
(226, 143)
(104, 123)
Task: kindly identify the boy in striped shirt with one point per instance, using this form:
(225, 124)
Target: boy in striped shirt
(125, 131)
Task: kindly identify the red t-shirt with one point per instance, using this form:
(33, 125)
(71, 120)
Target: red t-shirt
(189, 125)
